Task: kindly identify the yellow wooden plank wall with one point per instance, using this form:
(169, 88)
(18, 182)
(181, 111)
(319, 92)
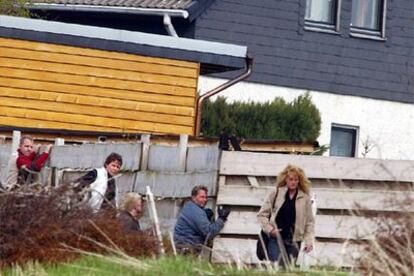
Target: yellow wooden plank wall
(59, 87)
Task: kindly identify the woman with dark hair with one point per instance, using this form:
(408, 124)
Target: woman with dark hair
(286, 216)
(101, 183)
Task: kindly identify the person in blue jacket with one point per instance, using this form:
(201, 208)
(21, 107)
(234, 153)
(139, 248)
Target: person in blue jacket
(194, 228)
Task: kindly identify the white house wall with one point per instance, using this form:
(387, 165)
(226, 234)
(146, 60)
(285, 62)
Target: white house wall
(388, 126)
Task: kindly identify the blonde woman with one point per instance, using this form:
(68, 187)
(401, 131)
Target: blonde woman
(131, 211)
(286, 216)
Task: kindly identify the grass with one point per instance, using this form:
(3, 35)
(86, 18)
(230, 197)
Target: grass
(92, 265)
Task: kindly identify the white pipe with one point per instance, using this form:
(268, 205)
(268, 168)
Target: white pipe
(169, 26)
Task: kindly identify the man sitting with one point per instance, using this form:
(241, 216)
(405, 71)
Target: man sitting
(193, 228)
(29, 161)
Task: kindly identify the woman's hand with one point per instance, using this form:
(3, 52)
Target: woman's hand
(308, 248)
(274, 232)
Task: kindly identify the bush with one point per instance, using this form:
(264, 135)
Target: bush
(14, 7)
(298, 121)
(40, 225)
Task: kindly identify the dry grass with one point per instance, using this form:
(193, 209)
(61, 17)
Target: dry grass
(49, 226)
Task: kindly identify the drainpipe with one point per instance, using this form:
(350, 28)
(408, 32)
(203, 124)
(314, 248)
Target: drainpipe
(218, 89)
(169, 26)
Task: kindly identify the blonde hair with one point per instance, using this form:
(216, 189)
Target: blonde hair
(128, 200)
(304, 183)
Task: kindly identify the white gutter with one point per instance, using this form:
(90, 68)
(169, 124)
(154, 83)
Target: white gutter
(126, 10)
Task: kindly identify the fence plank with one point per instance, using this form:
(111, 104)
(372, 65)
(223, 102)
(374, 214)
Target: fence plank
(227, 250)
(326, 226)
(326, 198)
(94, 155)
(202, 158)
(164, 159)
(175, 184)
(262, 164)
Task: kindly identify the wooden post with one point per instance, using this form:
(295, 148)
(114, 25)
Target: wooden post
(55, 175)
(154, 218)
(12, 172)
(183, 151)
(145, 139)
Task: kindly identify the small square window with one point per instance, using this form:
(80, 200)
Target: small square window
(343, 140)
(322, 15)
(368, 18)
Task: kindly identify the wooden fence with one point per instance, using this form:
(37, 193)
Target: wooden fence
(346, 191)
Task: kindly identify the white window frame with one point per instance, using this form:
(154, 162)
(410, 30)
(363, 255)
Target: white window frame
(347, 127)
(324, 27)
(369, 34)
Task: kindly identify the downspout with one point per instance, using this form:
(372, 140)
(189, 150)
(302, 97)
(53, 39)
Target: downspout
(218, 89)
(169, 26)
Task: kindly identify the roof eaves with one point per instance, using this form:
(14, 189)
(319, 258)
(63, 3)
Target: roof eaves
(197, 7)
(110, 9)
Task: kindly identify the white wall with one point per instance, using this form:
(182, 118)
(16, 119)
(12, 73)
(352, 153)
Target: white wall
(389, 126)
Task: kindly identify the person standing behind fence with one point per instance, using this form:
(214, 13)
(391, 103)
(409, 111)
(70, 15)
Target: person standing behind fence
(100, 183)
(193, 228)
(29, 161)
(290, 221)
(131, 211)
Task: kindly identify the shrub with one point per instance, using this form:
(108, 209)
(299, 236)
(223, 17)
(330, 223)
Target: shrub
(296, 121)
(40, 225)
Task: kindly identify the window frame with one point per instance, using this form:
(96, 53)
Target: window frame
(355, 138)
(324, 27)
(360, 32)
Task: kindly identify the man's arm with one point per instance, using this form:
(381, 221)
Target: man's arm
(209, 229)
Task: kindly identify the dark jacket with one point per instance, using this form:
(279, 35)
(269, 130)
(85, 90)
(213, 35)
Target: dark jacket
(130, 223)
(193, 226)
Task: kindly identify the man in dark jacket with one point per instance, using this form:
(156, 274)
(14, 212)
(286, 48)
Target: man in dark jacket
(193, 228)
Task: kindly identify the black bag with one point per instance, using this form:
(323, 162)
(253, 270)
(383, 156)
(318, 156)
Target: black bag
(261, 252)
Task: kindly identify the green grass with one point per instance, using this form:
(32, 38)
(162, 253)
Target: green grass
(104, 265)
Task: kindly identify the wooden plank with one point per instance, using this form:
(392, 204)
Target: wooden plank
(54, 48)
(266, 164)
(103, 100)
(135, 66)
(116, 113)
(92, 71)
(96, 82)
(326, 226)
(231, 250)
(164, 159)
(326, 198)
(94, 155)
(94, 121)
(69, 92)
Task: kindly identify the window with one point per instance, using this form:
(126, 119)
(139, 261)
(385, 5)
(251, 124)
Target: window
(368, 18)
(343, 140)
(322, 15)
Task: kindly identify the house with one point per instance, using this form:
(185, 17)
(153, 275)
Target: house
(68, 79)
(355, 57)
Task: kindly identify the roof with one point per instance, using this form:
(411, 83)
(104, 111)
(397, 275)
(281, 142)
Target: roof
(213, 56)
(188, 9)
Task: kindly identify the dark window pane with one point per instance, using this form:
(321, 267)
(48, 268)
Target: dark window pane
(343, 142)
(321, 11)
(367, 14)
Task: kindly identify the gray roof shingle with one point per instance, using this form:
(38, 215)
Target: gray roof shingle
(153, 4)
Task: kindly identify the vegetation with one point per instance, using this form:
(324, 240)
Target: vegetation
(101, 265)
(14, 7)
(297, 121)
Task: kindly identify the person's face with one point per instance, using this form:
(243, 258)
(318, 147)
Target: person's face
(292, 181)
(137, 206)
(113, 167)
(27, 147)
(201, 198)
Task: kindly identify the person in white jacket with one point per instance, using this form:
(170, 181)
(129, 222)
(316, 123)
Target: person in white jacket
(100, 183)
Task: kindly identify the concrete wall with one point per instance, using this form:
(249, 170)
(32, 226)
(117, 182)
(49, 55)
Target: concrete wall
(388, 125)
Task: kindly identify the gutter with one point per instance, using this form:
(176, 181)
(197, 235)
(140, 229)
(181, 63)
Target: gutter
(218, 89)
(110, 9)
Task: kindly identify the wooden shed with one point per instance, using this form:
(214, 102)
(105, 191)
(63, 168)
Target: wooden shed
(66, 77)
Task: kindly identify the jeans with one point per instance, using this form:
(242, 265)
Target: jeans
(284, 256)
